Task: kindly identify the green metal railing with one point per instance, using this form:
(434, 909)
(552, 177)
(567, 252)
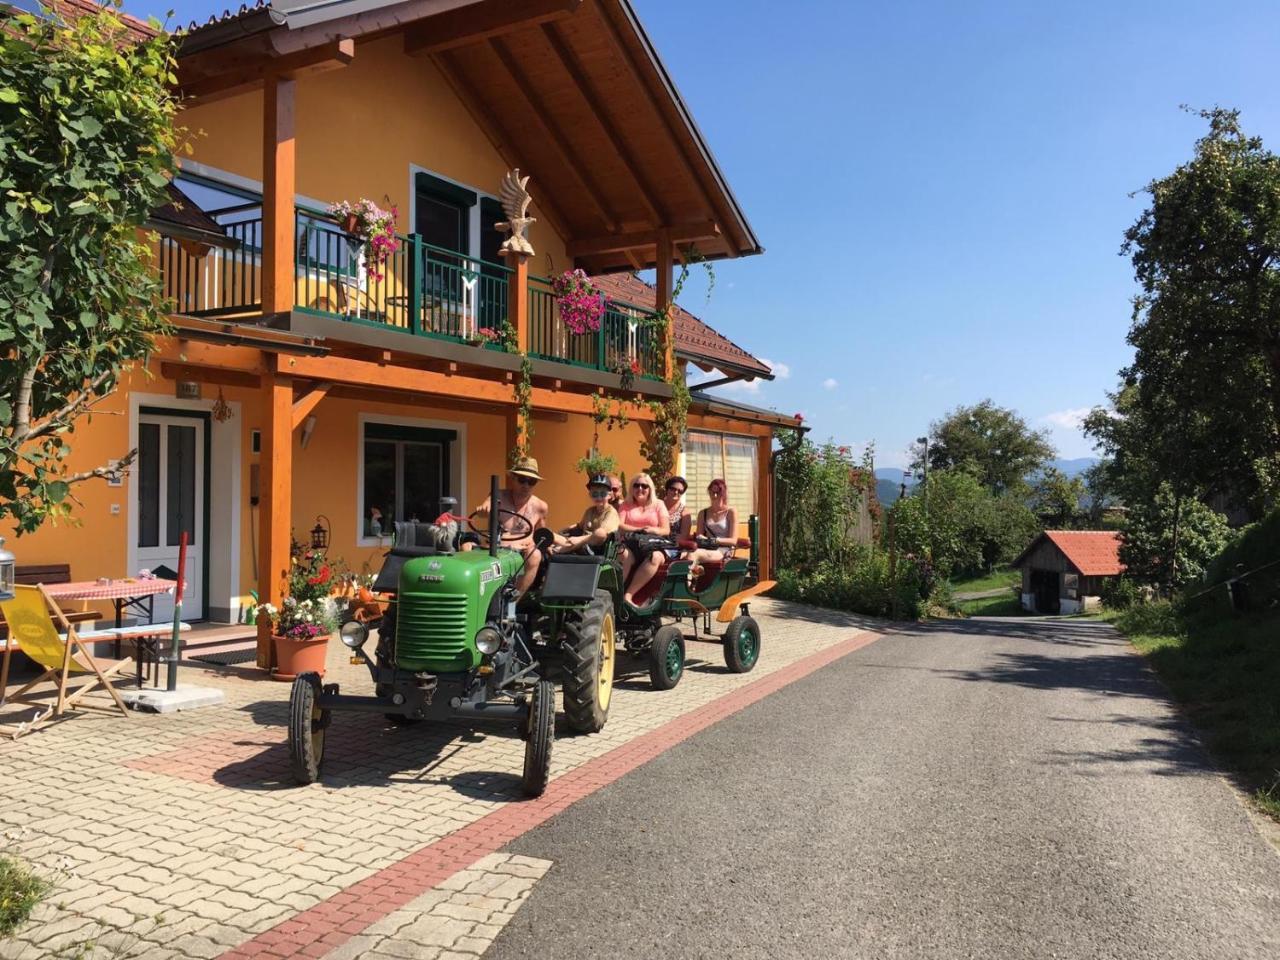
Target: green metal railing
(627, 338)
(226, 279)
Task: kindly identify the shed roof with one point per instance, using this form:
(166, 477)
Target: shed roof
(1094, 553)
(694, 340)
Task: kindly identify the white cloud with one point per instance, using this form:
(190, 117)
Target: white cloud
(1067, 419)
(830, 383)
(780, 372)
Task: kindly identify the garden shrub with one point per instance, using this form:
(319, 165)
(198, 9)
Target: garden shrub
(862, 585)
(1120, 593)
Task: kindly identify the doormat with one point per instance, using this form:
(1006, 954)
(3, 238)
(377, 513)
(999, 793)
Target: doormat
(227, 658)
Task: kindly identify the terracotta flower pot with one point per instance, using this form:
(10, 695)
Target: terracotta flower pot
(299, 656)
(350, 222)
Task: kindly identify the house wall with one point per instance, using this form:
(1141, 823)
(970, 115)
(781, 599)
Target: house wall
(358, 130)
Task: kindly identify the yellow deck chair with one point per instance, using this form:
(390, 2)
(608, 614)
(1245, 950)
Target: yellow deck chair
(31, 616)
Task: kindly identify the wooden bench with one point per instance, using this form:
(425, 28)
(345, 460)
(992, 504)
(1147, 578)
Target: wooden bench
(47, 573)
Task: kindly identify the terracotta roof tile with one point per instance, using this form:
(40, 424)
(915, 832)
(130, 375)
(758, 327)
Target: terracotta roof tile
(695, 340)
(67, 9)
(1095, 553)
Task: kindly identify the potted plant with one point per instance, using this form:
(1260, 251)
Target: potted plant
(581, 304)
(306, 618)
(595, 463)
(371, 227)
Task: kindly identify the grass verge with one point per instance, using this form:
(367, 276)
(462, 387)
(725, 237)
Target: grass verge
(1009, 606)
(996, 580)
(20, 891)
(1225, 670)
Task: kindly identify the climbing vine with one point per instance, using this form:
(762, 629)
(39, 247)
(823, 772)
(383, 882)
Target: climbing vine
(523, 446)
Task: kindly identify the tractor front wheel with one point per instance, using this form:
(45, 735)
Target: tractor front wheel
(307, 723)
(588, 667)
(542, 732)
(742, 644)
(666, 657)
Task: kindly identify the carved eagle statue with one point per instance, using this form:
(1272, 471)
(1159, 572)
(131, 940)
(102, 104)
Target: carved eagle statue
(515, 204)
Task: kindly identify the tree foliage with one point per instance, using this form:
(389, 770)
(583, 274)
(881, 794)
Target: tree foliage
(820, 497)
(989, 443)
(1204, 385)
(1056, 498)
(1170, 541)
(86, 148)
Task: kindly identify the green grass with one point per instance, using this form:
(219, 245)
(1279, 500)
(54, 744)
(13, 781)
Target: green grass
(20, 891)
(1225, 670)
(987, 581)
(992, 607)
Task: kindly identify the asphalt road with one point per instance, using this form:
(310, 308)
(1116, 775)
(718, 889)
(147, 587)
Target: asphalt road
(993, 789)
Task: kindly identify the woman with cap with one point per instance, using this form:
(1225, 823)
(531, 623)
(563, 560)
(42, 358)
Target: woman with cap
(599, 520)
(642, 513)
(523, 513)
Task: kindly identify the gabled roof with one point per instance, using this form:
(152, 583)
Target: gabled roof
(68, 9)
(1093, 553)
(695, 340)
(180, 216)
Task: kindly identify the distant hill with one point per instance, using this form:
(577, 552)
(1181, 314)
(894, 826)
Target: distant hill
(887, 492)
(1074, 467)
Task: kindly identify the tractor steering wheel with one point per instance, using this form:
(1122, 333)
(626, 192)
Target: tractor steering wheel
(506, 536)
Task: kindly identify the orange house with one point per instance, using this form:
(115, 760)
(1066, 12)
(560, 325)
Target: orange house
(308, 384)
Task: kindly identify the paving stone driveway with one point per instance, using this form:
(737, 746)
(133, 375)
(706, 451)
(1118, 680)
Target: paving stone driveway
(184, 836)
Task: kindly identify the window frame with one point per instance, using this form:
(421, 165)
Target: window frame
(722, 436)
(457, 478)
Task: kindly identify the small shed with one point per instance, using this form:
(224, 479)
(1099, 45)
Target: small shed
(1063, 570)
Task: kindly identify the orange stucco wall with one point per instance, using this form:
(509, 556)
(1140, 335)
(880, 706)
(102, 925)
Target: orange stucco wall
(358, 130)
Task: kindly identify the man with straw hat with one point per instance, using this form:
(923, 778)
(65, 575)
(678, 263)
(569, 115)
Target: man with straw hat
(518, 499)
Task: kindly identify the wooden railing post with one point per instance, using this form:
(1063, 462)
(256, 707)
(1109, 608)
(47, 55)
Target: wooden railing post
(275, 497)
(278, 188)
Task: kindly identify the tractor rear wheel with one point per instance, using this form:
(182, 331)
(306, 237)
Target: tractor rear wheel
(666, 657)
(588, 663)
(307, 723)
(742, 644)
(542, 732)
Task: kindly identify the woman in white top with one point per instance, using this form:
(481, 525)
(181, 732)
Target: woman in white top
(718, 522)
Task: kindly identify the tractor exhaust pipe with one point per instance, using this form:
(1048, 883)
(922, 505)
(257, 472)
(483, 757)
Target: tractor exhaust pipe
(493, 515)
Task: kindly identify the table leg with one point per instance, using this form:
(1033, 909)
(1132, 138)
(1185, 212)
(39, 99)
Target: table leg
(119, 602)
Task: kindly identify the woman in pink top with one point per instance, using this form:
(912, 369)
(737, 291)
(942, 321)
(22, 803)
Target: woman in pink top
(641, 513)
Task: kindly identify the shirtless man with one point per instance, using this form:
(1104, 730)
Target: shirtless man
(599, 520)
(519, 499)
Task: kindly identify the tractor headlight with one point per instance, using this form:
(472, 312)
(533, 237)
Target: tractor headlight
(488, 641)
(353, 634)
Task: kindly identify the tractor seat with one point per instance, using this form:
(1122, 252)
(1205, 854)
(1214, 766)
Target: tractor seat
(710, 570)
(654, 586)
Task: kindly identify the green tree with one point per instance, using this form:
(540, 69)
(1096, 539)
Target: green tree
(86, 148)
(992, 444)
(820, 492)
(1171, 542)
(1055, 498)
(1205, 379)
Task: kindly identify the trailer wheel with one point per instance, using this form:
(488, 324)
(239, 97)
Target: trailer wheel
(307, 723)
(666, 657)
(588, 664)
(742, 644)
(542, 732)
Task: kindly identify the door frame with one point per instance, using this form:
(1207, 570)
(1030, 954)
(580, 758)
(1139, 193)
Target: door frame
(206, 551)
(225, 446)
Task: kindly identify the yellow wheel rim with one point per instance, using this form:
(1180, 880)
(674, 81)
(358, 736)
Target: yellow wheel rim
(608, 648)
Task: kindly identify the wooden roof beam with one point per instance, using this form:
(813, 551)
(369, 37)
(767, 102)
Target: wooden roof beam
(475, 24)
(554, 134)
(328, 56)
(591, 95)
(613, 243)
(498, 136)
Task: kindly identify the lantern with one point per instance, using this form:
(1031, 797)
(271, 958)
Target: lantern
(320, 534)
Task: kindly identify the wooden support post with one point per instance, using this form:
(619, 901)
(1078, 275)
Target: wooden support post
(275, 499)
(764, 503)
(278, 189)
(518, 298)
(664, 267)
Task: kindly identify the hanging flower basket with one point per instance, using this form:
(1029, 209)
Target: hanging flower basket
(371, 226)
(581, 304)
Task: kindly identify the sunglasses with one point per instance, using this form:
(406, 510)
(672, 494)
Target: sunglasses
(679, 490)
(598, 494)
(527, 481)
(639, 486)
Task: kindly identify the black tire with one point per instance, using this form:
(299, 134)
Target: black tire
(742, 644)
(588, 664)
(666, 657)
(384, 654)
(542, 733)
(307, 723)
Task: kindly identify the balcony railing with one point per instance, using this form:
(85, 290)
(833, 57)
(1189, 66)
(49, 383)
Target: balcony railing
(419, 288)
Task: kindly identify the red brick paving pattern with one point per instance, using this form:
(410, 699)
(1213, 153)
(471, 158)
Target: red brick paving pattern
(331, 923)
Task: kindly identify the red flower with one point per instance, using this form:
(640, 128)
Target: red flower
(799, 417)
(322, 576)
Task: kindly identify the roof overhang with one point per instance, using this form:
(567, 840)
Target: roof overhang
(706, 404)
(572, 92)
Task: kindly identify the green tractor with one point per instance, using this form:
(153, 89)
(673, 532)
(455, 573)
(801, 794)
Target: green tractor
(455, 643)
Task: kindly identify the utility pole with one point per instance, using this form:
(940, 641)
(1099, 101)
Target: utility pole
(925, 480)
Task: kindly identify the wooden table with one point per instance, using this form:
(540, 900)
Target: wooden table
(133, 592)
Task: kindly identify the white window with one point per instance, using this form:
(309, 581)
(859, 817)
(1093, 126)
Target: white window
(708, 456)
(405, 466)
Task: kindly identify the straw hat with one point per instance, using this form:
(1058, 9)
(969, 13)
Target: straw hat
(526, 467)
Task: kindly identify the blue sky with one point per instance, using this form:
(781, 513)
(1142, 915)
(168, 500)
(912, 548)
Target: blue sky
(942, 188)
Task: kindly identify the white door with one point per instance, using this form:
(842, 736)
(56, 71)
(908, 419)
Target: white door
(170, 489)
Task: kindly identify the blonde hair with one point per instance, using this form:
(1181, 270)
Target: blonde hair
(642, 478)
